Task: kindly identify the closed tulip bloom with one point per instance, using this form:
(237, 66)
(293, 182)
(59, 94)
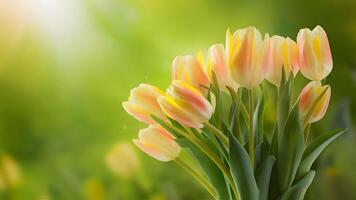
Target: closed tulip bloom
(217, 63)
(315, 60)
(188, 69)
(157, 143)
(245, 49)
(143, 103)
(186, 104)
(290, 56)
(280, 53)
(309, 95)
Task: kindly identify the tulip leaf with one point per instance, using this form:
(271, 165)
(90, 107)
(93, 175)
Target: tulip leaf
(298, 190)
(284, 97)
(213, 173)
(242, 171)
(258, 120)
(263, 175)
(313, 151)
(290, 150)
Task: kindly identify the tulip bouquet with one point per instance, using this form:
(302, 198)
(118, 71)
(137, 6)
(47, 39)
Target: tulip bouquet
(214, 112)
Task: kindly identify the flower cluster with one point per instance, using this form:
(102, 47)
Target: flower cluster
(189, 113)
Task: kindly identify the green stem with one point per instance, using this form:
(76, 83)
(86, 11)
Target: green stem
(306, 133)
(217, 133)
(201, 179)
(209, 153)
(251, 134)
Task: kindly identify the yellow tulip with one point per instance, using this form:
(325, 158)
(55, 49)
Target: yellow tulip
(186, 105)
(157, 143)
(245, 49)
(315, 60)
(122, 160)
(309, 95)
(217, 63)
(143, 103)
(290, 56)
(188, 69)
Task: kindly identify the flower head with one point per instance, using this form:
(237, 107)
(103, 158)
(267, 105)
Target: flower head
(10, 175)
(186, 105)
(143, 103)
(122, 160)
(157, 143)
(245, 49)
(309, 95)
(188, 69)
(315, 59)
(280, 53)
(217, 63)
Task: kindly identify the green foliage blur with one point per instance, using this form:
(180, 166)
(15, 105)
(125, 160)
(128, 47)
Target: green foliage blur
(66, 66)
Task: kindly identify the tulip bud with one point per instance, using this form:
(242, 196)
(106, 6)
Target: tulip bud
(122, 160)
(245, 51)
(315, 59)
(157, 143)
(186, 105)
(188, 69)
(143, 103)
(217, 63)
(309, 95)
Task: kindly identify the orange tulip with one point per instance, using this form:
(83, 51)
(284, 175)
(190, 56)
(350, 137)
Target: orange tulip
(290, 56)
(309, 95)
(157, 143)
(143, 103)
(245, 51)
(186, 105)
(315, 58)
(188, 69)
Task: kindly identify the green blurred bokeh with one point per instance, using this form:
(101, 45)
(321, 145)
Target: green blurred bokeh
(66, 66)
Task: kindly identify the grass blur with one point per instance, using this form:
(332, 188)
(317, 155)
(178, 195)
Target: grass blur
(66, 66)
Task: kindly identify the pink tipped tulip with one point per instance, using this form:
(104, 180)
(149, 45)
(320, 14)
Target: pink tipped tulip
(245, 51)
(309, 95)
(280, 53)
(188, 69)
(143, 103)
(186, 105)
(217, 63)
(315, 59)
(157, 143)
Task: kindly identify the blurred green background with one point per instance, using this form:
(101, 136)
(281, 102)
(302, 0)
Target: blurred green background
(66, 66)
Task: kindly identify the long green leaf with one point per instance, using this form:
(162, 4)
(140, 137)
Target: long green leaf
(290, 150)
(298, 190)
(242, 171)
(258, 120)
(263, 176)
(313, 151)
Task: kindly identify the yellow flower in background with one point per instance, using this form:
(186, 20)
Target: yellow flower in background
(94, 190)
(122, 160)
(143, 103)
(186, 105)
(10, 175)
(188, 69)
(245, 49)
(217, 63)
(315, 60)
(308, 96)
(157, 143)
